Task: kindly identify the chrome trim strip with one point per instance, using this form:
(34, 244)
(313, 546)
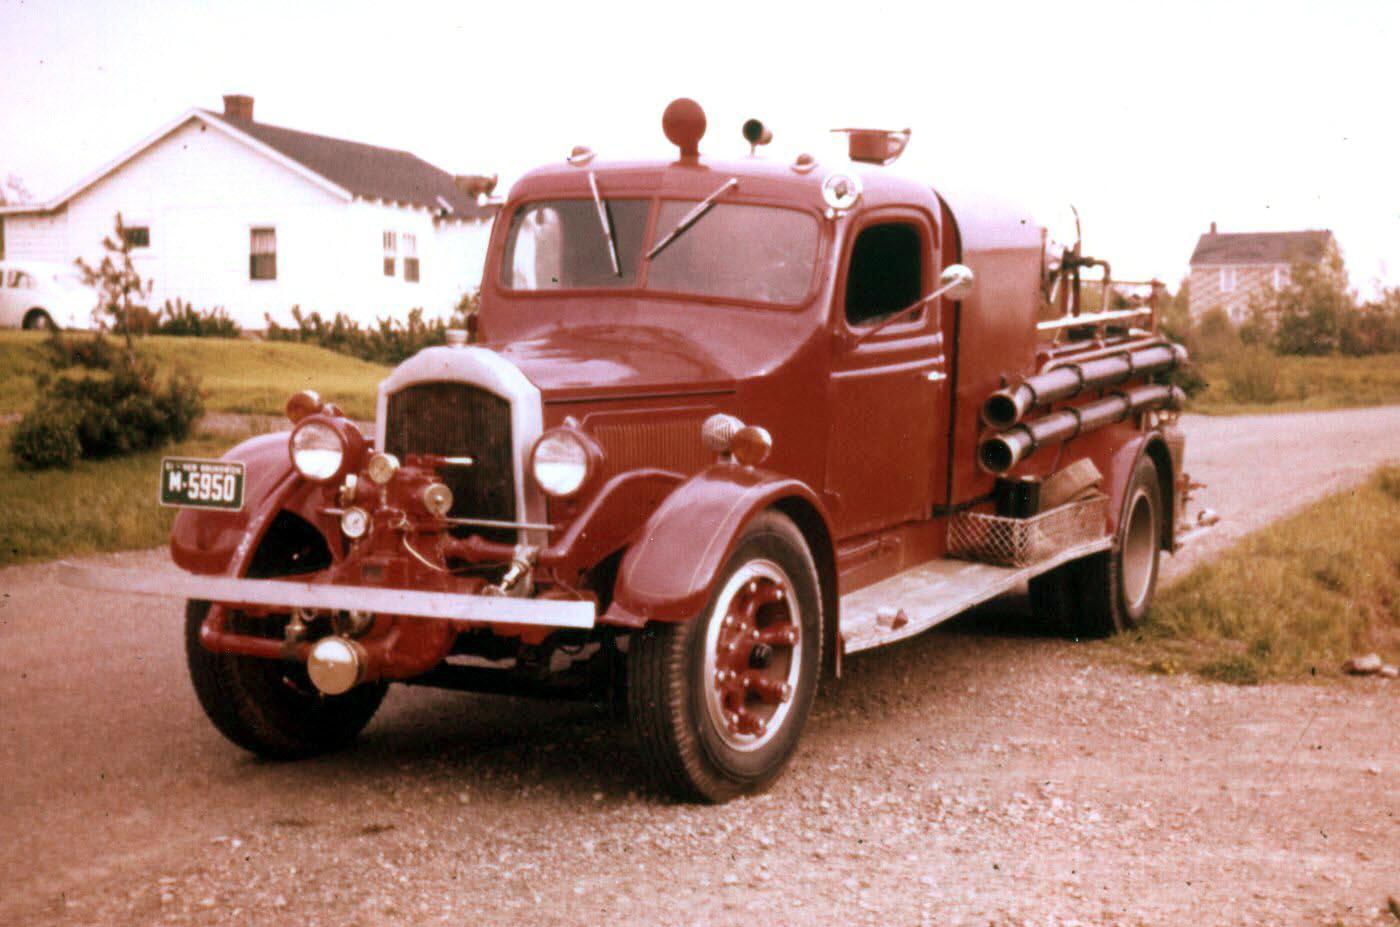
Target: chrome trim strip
(175, 583)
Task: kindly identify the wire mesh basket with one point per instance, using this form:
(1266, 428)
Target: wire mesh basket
(1019, 542)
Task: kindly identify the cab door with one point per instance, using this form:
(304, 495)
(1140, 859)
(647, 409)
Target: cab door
(889, 400)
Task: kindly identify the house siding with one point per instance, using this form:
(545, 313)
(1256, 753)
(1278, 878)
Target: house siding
(1207, 293)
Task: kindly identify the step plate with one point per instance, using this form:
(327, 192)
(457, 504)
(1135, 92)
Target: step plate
(933, 592)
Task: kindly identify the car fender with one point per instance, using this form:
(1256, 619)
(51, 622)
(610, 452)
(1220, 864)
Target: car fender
(208, 541)
(668, 573)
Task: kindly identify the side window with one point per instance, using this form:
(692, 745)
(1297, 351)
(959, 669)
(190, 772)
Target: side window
(391, 252)
(262, 254)
(137, 236)
(410, 257)
(886, 272)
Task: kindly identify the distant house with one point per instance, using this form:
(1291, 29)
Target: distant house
(225, 211)
(1226, 269)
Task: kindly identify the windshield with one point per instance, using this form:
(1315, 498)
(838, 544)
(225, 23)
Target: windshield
(561, 245)
(734, 251)
(737, 251)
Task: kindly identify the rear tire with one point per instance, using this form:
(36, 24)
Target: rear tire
(706, 697)
(38, 320)
(270, 707)
(1109, 592)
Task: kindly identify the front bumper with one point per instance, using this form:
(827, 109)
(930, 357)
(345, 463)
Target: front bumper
(177, 584)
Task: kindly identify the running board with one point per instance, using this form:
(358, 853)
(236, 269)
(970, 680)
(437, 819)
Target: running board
(911, 602)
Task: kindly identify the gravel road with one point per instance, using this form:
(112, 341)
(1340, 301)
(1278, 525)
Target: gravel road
(964, 777)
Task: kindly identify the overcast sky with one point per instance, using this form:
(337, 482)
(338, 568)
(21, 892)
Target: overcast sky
(1152, 118)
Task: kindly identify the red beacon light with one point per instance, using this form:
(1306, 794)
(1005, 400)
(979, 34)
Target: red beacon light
(684, 125)
(875, 146)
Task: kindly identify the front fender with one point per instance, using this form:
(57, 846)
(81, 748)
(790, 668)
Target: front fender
(668, 573)
(203, 541)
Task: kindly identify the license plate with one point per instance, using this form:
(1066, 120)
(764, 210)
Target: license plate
(188, 482)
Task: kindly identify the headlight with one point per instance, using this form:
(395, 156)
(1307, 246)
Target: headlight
(561, 463)
(317, 451)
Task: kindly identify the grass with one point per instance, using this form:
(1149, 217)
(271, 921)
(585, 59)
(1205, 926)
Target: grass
(1289, 602)
(237, 375)
(96, 506)
(1254, 383)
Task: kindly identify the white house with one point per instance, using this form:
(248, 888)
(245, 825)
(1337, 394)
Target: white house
(225, 211)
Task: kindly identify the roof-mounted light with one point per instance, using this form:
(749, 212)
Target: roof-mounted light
(875, 146)
(684, 124)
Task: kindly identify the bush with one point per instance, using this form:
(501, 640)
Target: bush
(1213, 336)
(1253, 376)
(119, 410)
(1189, 379)
(46, 440)
(180, 319)
(389, 341)
(95, 353)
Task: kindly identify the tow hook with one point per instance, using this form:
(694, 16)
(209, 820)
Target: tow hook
(294, 634)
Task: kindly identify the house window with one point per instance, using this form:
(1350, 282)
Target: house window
(1280, 277)
(136, 236)
(391, 251)
(410, 257)
(262, 254)
(1227, 279)
(886, 273)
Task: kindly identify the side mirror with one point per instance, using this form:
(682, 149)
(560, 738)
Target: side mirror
(956, 281)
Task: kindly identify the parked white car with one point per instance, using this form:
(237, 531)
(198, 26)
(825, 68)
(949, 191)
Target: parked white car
(38, 294)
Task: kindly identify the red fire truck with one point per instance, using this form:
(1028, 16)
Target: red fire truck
(720, 425)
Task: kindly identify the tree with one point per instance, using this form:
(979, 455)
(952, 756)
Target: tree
(1373, 328)
(13, 191)
(120, 289)
(1306, 316)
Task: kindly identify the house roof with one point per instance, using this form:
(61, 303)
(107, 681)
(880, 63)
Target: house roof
(347, 169)
(366, 171)
(1262, 247)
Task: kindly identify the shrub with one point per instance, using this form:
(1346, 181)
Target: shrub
(388, 341)
(1253, 376)
(1213, 336)
(123, 408)
(1189, 379)
(46, 439)
(94, 353)
(180, 319)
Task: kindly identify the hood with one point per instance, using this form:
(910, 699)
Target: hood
(578, 362)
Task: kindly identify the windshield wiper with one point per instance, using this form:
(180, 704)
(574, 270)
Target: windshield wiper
(692, 217)
(607, 226)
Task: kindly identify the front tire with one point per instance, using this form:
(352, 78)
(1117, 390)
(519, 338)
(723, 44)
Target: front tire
(269, 707)
(718, 703)
(1109, 592)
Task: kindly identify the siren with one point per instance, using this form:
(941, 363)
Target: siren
(875, 146)
(684, 125)
(756, 133)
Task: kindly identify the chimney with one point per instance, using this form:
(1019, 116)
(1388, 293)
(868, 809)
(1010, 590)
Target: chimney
(238, 106)
(250, 109)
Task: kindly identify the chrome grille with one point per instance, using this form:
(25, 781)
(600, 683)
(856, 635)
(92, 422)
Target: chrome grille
(453, 420)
